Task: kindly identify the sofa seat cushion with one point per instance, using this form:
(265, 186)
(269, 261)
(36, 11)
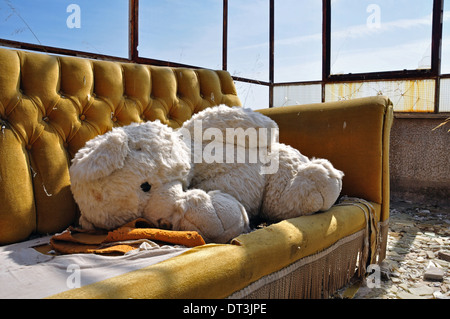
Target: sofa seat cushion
(217, 271)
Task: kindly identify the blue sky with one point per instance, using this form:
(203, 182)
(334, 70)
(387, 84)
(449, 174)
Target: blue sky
(405, 25)
(104, 27)
(190, 31)
(194, 28)
(386, 35)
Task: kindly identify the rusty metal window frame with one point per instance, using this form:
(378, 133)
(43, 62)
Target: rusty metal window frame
(434, 73)
(327, 78)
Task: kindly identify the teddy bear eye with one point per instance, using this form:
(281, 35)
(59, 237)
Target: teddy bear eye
(146, 187)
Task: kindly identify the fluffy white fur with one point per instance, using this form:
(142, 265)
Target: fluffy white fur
(148, 170)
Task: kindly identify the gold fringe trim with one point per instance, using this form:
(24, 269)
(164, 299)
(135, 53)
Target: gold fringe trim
(320, 275)
(383, 238)
(372, 239)
(312, 277)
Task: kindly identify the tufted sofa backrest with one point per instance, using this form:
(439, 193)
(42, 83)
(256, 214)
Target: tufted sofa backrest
(51, 105)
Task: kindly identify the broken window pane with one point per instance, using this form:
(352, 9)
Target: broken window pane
(444, 102)
(298, 40)
(297, 94)
(188, 32)
(406, 96)
(248, 39)
(382, 35)
(92, 26)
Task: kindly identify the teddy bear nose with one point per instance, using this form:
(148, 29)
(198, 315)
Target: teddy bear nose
(146, 187)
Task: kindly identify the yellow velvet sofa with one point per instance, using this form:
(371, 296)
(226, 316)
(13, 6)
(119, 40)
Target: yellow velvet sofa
(51, 105)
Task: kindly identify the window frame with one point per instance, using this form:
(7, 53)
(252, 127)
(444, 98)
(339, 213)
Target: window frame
(433, 73)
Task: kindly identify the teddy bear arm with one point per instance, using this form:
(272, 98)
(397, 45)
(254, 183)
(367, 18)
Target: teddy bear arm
(217, 216)
(300, 186)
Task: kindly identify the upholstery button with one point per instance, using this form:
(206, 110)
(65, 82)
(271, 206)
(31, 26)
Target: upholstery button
(45, 119)
(114, 119)
(28, 147)
(66, 145)
(82, 117)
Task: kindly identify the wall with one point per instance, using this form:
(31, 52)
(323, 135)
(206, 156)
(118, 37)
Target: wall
(420, 161)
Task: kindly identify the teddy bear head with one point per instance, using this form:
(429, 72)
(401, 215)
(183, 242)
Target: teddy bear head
(115, 175)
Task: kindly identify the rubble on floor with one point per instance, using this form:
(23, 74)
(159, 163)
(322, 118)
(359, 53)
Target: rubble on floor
(417, 258)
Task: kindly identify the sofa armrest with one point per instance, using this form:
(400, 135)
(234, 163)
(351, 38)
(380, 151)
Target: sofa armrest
(353, 135)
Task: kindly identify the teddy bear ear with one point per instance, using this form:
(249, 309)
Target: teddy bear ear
(100, 156)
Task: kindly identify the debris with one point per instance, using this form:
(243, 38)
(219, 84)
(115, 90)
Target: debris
(430, 254)
(434, 274)
(444, 255)
(407, 295)
(439, 295)
(422, 290)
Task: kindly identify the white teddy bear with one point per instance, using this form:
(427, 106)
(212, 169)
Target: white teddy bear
(221, 169)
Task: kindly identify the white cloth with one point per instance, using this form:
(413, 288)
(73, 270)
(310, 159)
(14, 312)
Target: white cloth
(26, 273)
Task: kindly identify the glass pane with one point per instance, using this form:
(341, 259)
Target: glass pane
(248, 39)
(253, 96)
(91, 26)
(188, 32)
(444, 102)
(406, 96)
(382, 35)
(298, 40)
(297, 94)
(446, 39)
